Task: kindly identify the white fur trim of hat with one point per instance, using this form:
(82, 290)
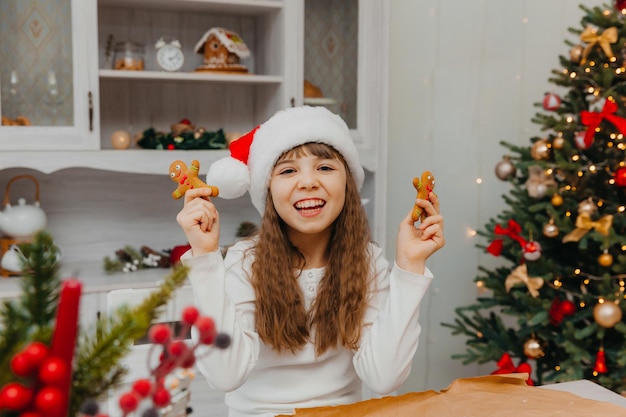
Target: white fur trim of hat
(254, 155)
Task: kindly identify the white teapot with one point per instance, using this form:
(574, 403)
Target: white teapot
(23, 220)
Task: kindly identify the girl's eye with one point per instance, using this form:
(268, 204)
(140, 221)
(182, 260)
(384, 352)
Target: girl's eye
(326, 168)
(286, 171)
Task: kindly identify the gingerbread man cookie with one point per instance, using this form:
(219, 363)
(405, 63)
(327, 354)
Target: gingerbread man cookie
(424, 186)
(187, 178)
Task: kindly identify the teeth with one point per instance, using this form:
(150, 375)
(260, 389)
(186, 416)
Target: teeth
(309, 204)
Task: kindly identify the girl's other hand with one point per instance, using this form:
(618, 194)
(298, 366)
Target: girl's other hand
(415, 244)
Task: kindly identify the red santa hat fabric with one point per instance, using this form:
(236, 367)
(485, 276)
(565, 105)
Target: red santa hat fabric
(252, 157)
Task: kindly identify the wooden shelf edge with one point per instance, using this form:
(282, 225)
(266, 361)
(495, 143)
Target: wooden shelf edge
(130, 160)
(109, 74)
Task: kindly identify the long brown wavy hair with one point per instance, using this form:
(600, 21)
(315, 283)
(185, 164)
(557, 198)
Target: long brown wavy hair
(337, 312)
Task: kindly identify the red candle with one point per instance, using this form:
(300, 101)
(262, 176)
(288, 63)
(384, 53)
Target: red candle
(64, 334)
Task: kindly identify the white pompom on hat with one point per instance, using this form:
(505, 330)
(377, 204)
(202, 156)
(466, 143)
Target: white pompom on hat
(253, 156)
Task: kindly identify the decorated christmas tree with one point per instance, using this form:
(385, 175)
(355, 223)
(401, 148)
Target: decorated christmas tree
(554, 306)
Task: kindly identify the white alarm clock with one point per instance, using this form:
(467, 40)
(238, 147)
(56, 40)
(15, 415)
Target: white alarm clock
(169, 55)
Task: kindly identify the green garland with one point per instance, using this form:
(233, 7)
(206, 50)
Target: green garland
(151, 139)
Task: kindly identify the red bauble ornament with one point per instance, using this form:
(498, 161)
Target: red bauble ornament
(532, 250)
(50, 401)
(53, 371)
(559, 310)
(620, 175)
(579, 141)
(567, 308)
(551, 102)
(620, 5)
(15, 396)
(600, 366)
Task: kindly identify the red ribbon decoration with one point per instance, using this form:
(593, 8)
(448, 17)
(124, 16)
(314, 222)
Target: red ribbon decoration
(505, 366)
(512, 230)
(592, 120)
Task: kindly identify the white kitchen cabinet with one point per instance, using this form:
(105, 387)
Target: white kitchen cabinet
(94, 204)
(48, 77)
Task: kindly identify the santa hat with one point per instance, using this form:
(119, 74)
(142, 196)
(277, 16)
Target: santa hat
(253, 156)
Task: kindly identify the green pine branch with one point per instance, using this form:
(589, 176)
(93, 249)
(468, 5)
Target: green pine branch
(97, 365)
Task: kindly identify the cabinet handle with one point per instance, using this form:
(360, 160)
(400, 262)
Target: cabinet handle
(90, 97)
(293, 102)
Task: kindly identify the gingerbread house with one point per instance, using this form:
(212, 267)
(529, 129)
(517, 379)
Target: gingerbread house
(222, 50)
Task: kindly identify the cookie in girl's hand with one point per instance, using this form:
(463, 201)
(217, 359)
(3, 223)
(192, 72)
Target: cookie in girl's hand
(187, 178)
(424, 186)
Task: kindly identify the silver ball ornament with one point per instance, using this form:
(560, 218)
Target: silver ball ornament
(550, 230)
(533, 348)
(587, 207)
(607, 314)
(505, 169)
(540, 150)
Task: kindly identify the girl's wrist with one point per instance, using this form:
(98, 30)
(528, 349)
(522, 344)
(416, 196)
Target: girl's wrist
(411, 265)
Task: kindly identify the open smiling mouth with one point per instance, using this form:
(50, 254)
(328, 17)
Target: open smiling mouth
(309, 206)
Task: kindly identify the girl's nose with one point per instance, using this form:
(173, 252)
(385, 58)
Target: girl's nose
(308, 180)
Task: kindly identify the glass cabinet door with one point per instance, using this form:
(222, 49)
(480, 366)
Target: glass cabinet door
(331, 56)
(46, 101)
(345, 58)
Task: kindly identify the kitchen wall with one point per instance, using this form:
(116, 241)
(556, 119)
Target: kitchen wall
(463, 75)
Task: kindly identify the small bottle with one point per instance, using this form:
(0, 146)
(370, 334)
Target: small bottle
(129, 56)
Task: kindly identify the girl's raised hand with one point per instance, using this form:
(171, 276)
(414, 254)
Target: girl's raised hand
(417, 242)
(199, 220)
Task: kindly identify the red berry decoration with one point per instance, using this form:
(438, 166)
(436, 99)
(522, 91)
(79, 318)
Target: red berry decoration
(161, 397)
(142, 387)
(37, 352)
(185, 122)
(15, 396)
(620, 177)
(21, 365)
(129, 402)
(190, 315)
(49, 401)
(160, 334)
(189, 361)
(53, 371)
(206, 330)
(178, 349)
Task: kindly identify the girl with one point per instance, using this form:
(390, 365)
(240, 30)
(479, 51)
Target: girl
(311, 305)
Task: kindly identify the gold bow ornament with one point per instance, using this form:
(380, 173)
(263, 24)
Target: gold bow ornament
(520, 275)
(591, 37)
(584, 224)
